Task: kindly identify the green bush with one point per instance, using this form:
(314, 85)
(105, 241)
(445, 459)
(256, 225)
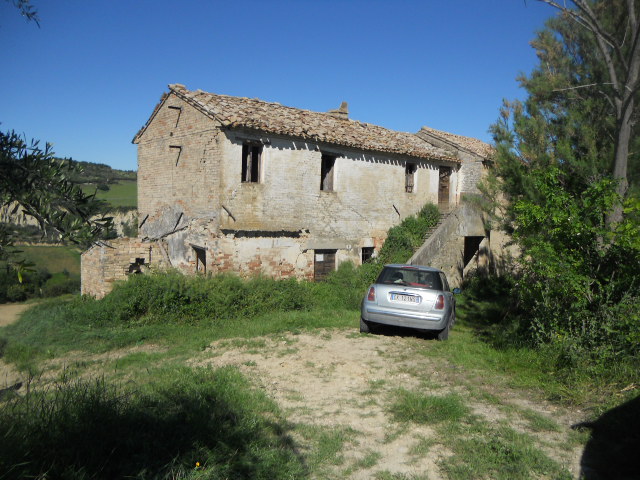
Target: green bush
(17, 293)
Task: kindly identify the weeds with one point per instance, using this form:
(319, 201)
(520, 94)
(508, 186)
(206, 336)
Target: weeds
(416, 407)
(89, 429)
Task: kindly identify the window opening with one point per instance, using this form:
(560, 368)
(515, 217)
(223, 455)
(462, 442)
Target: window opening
(178, 111)
(324, 262)
(175, 152)
(136, 267)
(367, 254)
(409, 177)
(471, 247)
(326, 173)
(251, 155)
(201, 259)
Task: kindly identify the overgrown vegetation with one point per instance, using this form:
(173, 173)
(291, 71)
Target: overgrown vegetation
(574, 293)
(188, 423)
(57, 273)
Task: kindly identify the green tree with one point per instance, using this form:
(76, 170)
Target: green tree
(33, 181)
(604, 55)
(559, 183)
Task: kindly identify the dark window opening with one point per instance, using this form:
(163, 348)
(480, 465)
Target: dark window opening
(326, 173)
(201, 259)
(409, 177)
(176, 151)
(251, 155)
(178, 111)
(471, 247)
(136, 267)
(324, 262)
(367, 254)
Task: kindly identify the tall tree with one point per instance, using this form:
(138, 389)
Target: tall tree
(615, 30)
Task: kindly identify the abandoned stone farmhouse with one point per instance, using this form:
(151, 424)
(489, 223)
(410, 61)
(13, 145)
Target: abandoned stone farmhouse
(229, 184)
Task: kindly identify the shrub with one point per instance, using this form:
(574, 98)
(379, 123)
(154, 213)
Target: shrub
(17, 293)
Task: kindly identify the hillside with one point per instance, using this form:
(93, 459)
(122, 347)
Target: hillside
(100, 173)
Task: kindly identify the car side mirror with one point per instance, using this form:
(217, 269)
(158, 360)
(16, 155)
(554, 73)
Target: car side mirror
(457, 290)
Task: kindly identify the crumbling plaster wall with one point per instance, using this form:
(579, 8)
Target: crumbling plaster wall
(368, 194)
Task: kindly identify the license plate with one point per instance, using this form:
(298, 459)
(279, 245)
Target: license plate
(398, 297)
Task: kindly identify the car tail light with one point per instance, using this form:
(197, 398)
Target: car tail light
(439, 302)
(372, 295)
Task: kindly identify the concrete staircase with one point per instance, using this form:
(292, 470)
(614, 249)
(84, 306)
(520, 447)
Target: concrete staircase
(443, 247)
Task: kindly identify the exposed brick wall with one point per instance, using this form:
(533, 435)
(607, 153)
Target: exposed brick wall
(178, 163)
(107, 262)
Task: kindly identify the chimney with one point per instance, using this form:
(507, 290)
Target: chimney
(342, 112)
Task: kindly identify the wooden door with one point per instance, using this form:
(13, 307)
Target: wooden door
(324, 262)
(443, 187)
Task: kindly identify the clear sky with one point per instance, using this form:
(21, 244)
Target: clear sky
(90, 76)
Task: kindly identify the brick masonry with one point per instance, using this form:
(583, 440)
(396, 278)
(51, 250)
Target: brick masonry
(111, 261)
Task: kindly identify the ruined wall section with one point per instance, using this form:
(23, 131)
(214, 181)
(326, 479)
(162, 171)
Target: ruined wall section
(111, 261)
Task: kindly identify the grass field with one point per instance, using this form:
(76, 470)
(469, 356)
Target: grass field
(53, 258)
(121, 194)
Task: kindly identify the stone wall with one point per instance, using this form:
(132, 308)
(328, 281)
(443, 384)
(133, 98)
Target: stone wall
(107, 262)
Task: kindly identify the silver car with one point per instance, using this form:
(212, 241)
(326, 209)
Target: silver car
(410, 296)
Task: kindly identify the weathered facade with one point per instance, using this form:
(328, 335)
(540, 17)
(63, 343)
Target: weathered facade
(247, 186)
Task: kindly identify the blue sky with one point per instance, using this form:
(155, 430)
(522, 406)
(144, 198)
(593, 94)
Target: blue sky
(90, 76)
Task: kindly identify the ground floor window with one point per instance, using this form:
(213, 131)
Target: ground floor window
(367, 254)
(324, 262)
(201, 259)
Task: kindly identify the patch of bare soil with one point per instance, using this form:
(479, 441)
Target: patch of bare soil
(9, 313)
(344, 381)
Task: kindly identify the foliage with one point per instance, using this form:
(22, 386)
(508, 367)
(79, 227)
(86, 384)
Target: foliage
(31, 179)
(27, 10)
(553, 188)
(197, 424)
(36, 282)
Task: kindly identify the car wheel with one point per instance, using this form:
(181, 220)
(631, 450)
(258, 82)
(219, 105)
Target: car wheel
(364, 326)
(444, 333)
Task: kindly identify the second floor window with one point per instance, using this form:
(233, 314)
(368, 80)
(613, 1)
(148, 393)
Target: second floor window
(410, 177)
(251, 158)
(326, 173)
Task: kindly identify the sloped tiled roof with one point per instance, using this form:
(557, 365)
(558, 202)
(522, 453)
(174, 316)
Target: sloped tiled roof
(472, 144)
(273, 118)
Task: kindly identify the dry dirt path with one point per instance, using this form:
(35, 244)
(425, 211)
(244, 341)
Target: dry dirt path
(343, 382)
(9, 313)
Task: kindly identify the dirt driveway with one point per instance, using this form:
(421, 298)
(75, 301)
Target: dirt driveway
(345, 383)
(9, 313)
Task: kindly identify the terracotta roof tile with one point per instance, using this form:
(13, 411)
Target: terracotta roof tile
(273, 118)
(472, 144)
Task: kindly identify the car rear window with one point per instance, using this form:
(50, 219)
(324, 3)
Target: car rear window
(411, 277)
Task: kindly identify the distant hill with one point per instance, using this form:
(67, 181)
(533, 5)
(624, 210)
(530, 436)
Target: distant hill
(99, 173)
